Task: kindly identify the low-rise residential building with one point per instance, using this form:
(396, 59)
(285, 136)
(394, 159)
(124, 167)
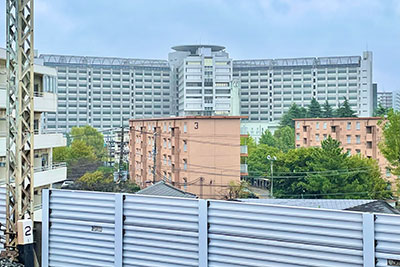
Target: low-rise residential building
(198, 154)
(45, 100)
(357, 135)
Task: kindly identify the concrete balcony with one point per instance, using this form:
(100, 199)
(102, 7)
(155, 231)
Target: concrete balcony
(243, 170)
(243, 151)
(41, 141)
(50, 174)
(49, 140)
(43, 102)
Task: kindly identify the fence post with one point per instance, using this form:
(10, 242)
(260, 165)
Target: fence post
(119, 228)
(368, 239)
(45, 227)
(203, 233)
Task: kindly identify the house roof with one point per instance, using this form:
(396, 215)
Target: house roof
(161, 188)
(363, 205)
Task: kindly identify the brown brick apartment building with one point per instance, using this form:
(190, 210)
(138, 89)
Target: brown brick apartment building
(198, 154)
(357, 135)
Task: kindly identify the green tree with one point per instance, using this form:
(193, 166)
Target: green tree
(91, 137)
(380, 111)
(345, 110)
(239, 190)
(294, 112)
(327, 110)
(249, 142)
(284, 138)
(314, 109)
(267, 138)
(390, 145)
(104, 182)
(257, 159)
(80, 151)
(327, 172)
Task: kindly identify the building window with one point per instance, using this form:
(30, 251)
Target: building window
(169, 143)
(184, 145)
(325, 136)
(358, 151)
(298, 125)
(297, 136)
(348, 139)
(165, 159)
(325, 125)
(349, 152)
(358, 125)
(388, 173)
(317, 137)
(185, 164)
(349, 126)
(358, 139)
(317, 125)
(169, 161)
(165, 143)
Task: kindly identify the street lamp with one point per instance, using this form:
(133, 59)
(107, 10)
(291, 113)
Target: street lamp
(271, 160)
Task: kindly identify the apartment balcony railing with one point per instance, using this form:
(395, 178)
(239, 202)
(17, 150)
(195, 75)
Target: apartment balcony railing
(50, 167)
(243, 169)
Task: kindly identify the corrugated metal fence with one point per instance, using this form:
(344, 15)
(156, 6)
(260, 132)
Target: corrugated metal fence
(104, 229)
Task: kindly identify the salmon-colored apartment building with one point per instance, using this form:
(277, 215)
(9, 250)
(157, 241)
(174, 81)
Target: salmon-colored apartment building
(198, 154)
(357, 136)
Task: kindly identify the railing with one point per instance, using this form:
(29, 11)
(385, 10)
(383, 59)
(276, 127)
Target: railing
(50, 167)
(243, 149)
(243, 168)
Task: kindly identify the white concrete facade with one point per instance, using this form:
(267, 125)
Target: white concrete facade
(389, 99)
(202, 75)
(45, 100)
(198, 80)
(269, 87)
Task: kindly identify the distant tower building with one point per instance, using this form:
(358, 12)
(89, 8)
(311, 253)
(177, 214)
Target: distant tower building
(201, 80)
(389, 100)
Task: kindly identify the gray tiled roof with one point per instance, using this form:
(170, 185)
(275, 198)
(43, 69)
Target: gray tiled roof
(161, 188)
(364, 205)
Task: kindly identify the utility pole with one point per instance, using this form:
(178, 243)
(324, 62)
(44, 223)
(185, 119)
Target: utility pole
(154, 155)
(121, 153)
(201, 187)
(20, 135)
(271, 160)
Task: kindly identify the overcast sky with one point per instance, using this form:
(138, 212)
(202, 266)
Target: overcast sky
(250, 29)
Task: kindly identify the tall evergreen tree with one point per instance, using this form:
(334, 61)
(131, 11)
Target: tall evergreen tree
(380, 111)
(267, 138)
(327, 110)
(294, 112)
(314, 109)
(345, 110)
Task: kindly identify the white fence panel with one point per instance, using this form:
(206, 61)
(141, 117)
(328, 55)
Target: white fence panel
(102, 229)
(160, 231)
(387, 236)
(81, 229)
(243, 234)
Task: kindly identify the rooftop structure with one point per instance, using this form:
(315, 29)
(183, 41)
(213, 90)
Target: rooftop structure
(364, 205)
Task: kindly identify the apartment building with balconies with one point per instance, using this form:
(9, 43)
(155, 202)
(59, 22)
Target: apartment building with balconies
(201, 79)
(357, 136)
(198, 154)
(46, 172)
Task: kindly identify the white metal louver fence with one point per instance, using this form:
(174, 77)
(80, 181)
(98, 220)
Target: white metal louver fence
(105, 229)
